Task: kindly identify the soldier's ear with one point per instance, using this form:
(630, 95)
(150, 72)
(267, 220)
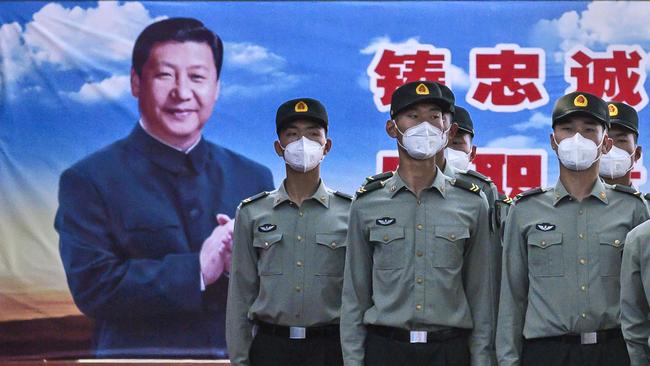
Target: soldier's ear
(607, 144)
(638, 151)
(327, 147)
(453, 129)
(278, 148)
(553, 143)
(472, 153)
(391, 130)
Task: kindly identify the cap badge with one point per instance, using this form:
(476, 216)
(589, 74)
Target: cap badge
(580, 101)
(301, 107)
(422, 90)
(613, 110)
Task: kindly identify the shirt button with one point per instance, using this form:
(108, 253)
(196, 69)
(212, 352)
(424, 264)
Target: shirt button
(419, 202)
(300, 214)
(581, 236)
(543, 243)
(298, 288)
(419, 253)
(583, 261)
(580, 212)
(617, 242)
(333, 245)
(266, 243)
(583, 315)
(452, 236)
(299, 263)
(419, 226)
(583, 288)
(299, 237)
(385, 237)
(194, 213)
(419, 280)
(418, 307)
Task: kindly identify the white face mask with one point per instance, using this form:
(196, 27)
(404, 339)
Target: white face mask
(457, 159)
(303, 155)
(422, 141)
(577, 152)
(616, 163)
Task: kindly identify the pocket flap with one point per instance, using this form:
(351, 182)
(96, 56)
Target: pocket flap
(452, 233)
(332, 241)
(267, 240)
(386, 234)
(544, 240)
(614, 239)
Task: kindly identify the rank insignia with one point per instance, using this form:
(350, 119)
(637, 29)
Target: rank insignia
(545, 227)
(266, 228)
(385, 221)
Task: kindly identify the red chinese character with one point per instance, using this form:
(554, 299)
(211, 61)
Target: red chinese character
(392, 68)
(507, 78)
(617, 74)
(492, 166)
(524, 173)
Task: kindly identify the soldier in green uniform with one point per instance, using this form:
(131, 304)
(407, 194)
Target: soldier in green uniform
(635, 287)
(416, 288)
(560, 286)
(616, 166)
(288, 255)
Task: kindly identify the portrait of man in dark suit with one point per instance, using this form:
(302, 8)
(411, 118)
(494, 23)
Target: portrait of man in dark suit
(144, 223)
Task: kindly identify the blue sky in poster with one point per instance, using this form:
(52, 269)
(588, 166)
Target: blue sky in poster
(52, 115)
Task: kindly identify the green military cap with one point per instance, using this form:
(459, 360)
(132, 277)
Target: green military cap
(623, 115)
(464, 120)
(581, 103)
(421, 91)
(300, 108)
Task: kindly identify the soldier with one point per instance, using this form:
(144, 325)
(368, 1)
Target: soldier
(635, 285)
(416, 283)
(288, 255)
(562, 252)
(616, 166)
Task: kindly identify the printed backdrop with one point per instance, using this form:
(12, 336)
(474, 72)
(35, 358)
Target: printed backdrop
(64, 93)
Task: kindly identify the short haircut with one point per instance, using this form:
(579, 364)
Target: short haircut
(179, 30)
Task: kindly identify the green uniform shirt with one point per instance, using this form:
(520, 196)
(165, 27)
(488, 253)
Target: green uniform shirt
(561, 264)
(417, 264)
(287, 265)
(635, 285)
(494, 221)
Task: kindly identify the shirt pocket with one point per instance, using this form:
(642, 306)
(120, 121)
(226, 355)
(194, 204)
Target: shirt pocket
(329, 256)
(611, 251)
(388, 245)
(269, 251)
(447, 247)
(545, 254)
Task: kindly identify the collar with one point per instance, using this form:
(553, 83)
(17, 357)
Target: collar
(449, 170)
(598, 191)
(396, 184)
(322, 195)
(186, 151)
(167, 157)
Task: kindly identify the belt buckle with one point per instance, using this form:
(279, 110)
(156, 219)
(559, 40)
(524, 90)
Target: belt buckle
(418, 336)
(589, 338)
(297, 332)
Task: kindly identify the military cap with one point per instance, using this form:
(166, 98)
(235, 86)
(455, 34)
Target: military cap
(623, 115)
(300, 108)
(464, 120)
(421, 91)
(581, 103)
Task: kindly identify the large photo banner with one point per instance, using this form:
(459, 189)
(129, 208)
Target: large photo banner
(66, 91)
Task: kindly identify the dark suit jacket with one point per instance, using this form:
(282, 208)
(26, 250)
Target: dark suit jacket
(131, 220)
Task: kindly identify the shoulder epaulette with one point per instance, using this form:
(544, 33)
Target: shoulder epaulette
(254, 198)
(528, 193)
(505, 199)
(478, 175)
(626, 189)
(466, 185)
(647, 196)
(372, 186)
(380, 176)
(343, 195)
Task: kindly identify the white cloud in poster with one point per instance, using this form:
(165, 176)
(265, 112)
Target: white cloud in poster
(15, 58)
(252, 57)
(537, 121)
(513, 142)
(602, 23)
(110, 88)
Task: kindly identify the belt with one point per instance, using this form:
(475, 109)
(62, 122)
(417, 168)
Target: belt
(583, 338)
(415, 336)
(325, 331)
